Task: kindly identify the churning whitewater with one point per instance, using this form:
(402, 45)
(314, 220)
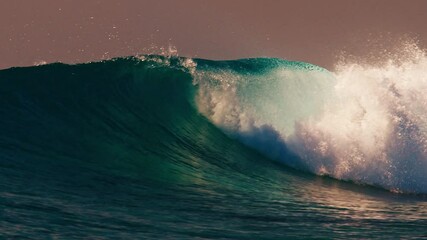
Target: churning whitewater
(363, 123)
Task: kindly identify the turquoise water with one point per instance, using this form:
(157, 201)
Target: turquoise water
(173, 148)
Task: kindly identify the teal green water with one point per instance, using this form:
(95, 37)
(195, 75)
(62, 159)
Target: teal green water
(121, 149)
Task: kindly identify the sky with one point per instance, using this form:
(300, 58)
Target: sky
(319, 32)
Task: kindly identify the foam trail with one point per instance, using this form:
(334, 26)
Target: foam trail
(363, 123)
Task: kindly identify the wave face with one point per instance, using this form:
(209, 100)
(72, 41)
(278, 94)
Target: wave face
(114, 148)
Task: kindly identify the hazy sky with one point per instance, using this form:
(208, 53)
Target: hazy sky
(314, 31)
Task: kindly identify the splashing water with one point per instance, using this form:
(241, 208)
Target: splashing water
(363, 123)
(375, 131)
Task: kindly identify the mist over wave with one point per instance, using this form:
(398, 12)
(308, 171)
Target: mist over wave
(363, 123)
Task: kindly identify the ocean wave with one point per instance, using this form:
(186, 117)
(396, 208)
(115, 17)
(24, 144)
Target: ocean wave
(360, 123)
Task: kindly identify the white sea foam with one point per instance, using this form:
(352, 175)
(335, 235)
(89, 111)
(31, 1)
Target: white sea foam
(376, 130)
(364, 123)
(39, 63)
